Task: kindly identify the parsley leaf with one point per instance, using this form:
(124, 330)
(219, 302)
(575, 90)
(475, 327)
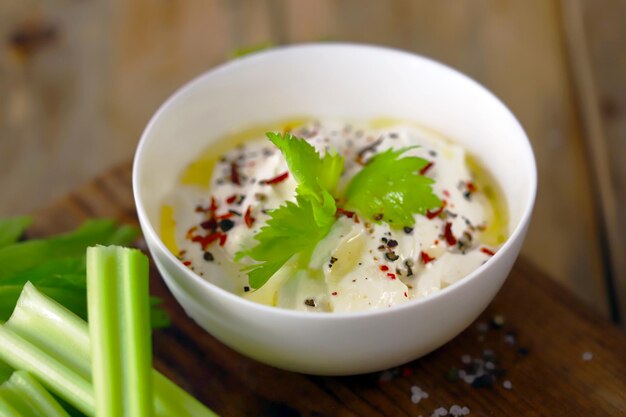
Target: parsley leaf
(294, 228)
(390, 188)
(313, 173)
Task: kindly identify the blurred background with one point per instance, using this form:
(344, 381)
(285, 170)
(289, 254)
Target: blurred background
(79, 80)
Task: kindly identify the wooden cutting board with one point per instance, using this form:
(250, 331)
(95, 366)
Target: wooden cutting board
(551, 355)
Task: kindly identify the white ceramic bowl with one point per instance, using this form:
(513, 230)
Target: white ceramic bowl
(339, 81)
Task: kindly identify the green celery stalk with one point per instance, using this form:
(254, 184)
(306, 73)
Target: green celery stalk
(119, 326)
(23, 396)
(22, 355)
(65, 337)
(72, 299)
(11, 229)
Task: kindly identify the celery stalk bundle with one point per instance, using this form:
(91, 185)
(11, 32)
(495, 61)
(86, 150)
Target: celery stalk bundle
(53, 344)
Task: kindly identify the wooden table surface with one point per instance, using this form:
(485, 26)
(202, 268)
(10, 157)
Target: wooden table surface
(559, 357)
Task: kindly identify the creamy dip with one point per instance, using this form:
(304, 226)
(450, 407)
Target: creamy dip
(359, 265)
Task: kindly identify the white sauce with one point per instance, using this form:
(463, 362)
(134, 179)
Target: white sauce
(356, 280)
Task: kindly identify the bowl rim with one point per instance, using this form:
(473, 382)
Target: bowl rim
(152, 236)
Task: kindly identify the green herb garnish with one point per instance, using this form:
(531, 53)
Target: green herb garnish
(11, 229)
(389, 188)
(295, 228)
(313, 173)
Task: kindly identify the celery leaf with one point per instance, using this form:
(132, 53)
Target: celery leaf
(312, 172)
(11, 229)
(294, 228)
(390, 188)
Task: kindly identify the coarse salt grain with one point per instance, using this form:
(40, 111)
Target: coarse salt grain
(440, 412)
(507, 384)
(587, 356)
(455, 410)
(417, 394)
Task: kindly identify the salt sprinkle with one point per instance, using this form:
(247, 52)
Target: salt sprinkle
(440, 412)
(587, 356)
(455, 411)
(417, 394)
(507, 384)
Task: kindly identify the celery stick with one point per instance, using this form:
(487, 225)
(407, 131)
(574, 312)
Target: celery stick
(20, 354)
(119, 325)
(28, 398)
(7, 409)
(47, 324)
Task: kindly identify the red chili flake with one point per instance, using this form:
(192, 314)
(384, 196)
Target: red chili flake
(406, 371)
(279, 178)
(213, 206)
(390, 275)
(223, 238)
(446, 193)
(248, 217)
(487, 251)
(205, 241)
(432, 214)
(471, 186)
(343, 212)
(234, 173)
(225, 216)
(424, 170)
(187, 263)
(191, 231)
(334, 293)
(448, 234)
(384, 268)
(406, 295)
(231, 199)
(426, 258)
